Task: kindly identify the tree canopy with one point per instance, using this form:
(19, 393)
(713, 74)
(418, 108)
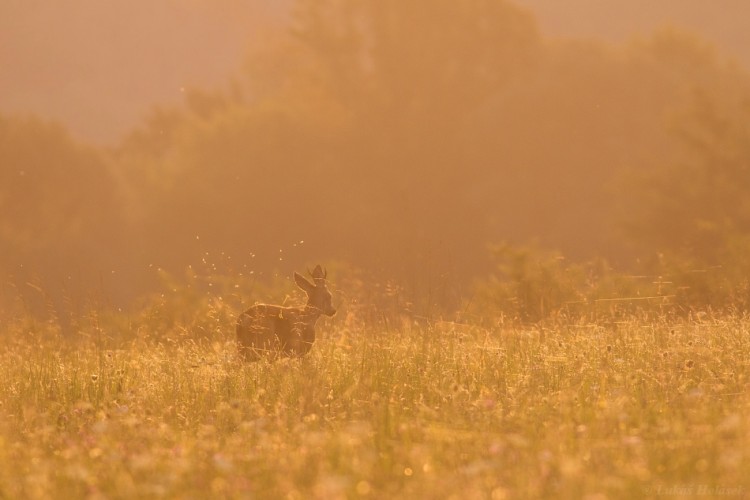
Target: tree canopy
(402, 137)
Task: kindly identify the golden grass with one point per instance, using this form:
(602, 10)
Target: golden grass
(434, 411)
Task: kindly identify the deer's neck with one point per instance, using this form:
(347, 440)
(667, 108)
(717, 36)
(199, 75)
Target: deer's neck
(310, 314)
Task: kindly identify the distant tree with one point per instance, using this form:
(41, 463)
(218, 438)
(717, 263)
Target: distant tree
(409, 54)
(54, 193)
(351, 122)
(698, 207)
(693, 215)
(60, 219)
(406, 136)
(411, 77)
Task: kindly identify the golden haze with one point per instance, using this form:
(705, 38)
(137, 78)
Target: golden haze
(402, 138)
(535, 243)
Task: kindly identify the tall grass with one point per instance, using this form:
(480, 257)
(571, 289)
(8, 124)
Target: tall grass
(142, 407)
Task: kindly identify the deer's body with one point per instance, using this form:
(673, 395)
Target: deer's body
(271, 330)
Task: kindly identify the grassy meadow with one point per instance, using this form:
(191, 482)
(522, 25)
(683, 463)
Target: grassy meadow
(158, 405)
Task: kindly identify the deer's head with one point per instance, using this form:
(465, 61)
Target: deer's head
(318, 296)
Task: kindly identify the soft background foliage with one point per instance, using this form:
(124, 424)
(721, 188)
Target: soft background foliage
(402, 139)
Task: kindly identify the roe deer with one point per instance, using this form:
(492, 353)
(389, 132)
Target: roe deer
(285, 331)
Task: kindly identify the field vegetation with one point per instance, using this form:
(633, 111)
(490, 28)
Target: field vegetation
(602, 404)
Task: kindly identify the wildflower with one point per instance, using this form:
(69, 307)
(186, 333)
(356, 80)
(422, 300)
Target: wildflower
(363, 488)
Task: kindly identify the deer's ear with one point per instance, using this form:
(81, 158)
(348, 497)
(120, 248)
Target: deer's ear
(317, 272)
(303, 283)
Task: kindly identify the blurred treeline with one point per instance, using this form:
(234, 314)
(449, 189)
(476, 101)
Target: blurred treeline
(404, 138)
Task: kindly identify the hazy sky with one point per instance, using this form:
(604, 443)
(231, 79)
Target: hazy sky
(99, 66)
(723, 22)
